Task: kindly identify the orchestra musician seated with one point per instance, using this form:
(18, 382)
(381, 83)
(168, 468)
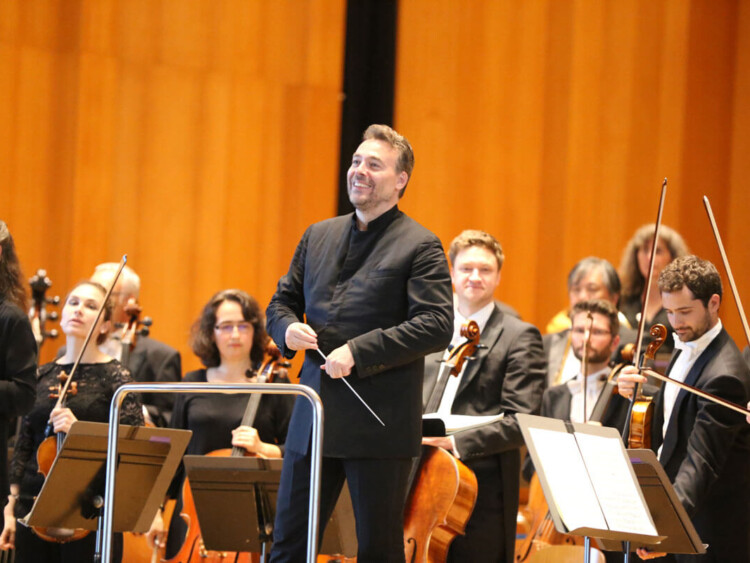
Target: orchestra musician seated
(98, 376)
(230, 339)
(505, 376)
(565, 401)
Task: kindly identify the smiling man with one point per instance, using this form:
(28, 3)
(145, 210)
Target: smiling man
(506, 375)
(704, 447)
(371, 290)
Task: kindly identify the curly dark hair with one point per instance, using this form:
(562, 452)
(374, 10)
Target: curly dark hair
(202, 339)
(12, 286)
(700, 276)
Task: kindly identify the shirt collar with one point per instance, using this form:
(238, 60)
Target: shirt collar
(380, 222)
(480, 317)
(696, 347)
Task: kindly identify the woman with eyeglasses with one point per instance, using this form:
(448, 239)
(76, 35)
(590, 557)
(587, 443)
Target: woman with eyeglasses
(230, 338)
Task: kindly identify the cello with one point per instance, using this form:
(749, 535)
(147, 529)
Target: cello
(443, 490)
(193, 549)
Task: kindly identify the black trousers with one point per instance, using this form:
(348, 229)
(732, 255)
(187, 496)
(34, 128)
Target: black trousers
(378, 491)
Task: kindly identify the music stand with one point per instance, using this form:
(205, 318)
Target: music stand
(670, 518)
(588, 481)
(228, 494)
(147, 461)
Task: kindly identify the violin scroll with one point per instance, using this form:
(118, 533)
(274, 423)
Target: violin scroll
(38, 314)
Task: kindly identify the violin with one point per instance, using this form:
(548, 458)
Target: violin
(193, 549)
(443, 490)
(133, 328)
(51, 446)
(639, 435)
(38, 314)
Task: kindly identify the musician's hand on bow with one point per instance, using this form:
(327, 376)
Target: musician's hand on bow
(62, 419)
(627, 379)
(157, 534)
(748, 416)
(339, 363)
(300, 336)
(644, 553)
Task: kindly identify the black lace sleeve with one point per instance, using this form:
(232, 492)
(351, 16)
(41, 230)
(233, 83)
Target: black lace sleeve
(132, 407)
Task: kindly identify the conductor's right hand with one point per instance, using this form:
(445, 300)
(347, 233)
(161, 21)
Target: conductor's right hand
(300, 336)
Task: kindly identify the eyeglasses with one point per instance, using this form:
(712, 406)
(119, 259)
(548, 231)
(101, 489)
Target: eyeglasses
(594, 331)
(227, 329)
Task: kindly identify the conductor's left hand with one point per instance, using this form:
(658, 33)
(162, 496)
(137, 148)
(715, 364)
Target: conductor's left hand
(339, 363)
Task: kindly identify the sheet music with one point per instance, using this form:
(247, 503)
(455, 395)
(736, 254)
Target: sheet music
(567, 476)
(455, 423)
(609, 470)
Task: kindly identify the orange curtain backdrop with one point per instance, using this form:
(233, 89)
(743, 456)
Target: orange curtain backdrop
(200, 137)
(551, 124)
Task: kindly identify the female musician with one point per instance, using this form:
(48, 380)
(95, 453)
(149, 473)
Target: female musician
(18, 350)
(98, 376)
(634, 272)
(230, 339)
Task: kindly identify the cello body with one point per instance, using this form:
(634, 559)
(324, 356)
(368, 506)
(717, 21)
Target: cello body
(438, 507)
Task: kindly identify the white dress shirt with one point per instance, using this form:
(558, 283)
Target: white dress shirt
(689, 353)
(594, 385)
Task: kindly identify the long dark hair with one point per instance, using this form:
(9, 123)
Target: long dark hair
(12, 285)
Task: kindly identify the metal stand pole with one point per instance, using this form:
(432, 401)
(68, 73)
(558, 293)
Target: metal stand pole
(270, 388)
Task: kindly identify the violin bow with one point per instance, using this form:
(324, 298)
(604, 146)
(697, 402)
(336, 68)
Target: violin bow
(728, 269)
(585, 361)
(642, 322)
(65, 387)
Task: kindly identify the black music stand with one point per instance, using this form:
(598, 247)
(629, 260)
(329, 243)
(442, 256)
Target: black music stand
(235, 500)
(589, 483)
(147, 460)
(669, 515)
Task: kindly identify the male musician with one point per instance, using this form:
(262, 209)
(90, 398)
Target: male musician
(704, 447)
(565, 401)
(590, 278)
(370, 290)
(149, 360)
(505, 376)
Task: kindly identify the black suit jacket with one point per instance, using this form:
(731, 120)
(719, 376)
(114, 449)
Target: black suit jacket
(706, 451)
(154, 361)
(385, 292)
(556, 404)
(506, 376)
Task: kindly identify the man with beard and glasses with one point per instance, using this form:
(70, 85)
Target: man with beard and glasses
(704, 447)
(565, 401)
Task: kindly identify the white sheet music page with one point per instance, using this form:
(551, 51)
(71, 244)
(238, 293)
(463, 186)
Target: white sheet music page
(615, 485)
(573, 494)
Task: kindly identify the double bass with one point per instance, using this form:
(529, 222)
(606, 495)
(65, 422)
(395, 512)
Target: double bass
(442, 489)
